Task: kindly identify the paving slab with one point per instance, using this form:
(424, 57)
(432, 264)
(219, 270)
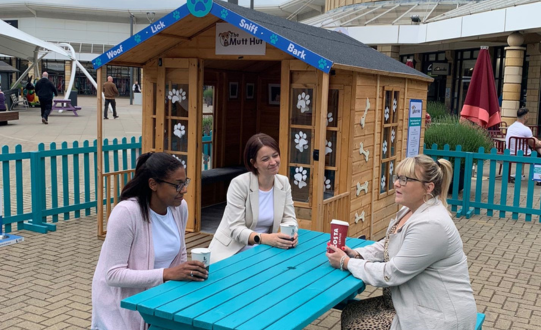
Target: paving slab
(46, 280)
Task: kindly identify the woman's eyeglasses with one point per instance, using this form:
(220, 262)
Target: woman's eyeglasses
(403, 180)
(178, 186)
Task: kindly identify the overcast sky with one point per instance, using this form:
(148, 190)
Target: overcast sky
(132, 4)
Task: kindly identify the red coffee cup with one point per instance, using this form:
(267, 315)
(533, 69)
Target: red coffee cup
(339, 232)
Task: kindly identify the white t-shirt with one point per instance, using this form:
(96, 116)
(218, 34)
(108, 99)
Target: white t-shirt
(165, 237)
(520, 130)
(266, 214)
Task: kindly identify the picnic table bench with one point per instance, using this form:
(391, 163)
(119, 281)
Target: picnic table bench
(61, 105)
(261, 288)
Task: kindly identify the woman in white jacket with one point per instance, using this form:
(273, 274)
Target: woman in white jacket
(257, 203)
(420, 264)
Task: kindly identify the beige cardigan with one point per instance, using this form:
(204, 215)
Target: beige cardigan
(427, 272)
(242, 213)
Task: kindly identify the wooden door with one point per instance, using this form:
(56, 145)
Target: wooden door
(303, 114)
(178, 105)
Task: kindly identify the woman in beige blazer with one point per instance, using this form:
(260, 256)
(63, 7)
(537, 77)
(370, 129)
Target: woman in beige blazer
(257, 203)
(420, 264)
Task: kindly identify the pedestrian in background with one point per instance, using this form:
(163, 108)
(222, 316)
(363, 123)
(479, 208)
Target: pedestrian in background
(136, 87)
(45, 90)
(111, 92)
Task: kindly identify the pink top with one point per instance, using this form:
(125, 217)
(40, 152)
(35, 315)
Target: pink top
(126, 263)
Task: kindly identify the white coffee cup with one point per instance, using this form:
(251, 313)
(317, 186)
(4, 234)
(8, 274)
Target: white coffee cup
(203, 255)
(288, 229)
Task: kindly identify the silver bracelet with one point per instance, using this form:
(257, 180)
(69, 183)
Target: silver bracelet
(342, 262)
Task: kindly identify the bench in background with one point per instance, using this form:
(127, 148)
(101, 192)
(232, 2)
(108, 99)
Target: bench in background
(6, 116)
(214, 183)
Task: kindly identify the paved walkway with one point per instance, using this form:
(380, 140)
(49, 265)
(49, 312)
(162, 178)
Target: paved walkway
(45, 282)
(29, 131)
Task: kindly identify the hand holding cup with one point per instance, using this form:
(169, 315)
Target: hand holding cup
(188, 271)
(334, 256)
(278, 240)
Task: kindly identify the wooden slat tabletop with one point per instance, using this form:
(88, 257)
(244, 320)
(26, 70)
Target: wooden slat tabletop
(261, 288)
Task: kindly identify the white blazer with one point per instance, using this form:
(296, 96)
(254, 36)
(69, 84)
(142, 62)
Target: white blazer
(242, 213)
(427, 272)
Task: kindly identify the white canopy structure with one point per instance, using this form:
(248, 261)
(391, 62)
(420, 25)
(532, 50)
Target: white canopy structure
(16, 43)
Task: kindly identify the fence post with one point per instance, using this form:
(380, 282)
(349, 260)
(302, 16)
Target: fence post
(36, 173)
(468, 164)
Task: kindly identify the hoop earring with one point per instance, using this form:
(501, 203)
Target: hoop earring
(431, 198)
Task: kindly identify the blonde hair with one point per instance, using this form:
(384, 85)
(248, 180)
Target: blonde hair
(424, 168)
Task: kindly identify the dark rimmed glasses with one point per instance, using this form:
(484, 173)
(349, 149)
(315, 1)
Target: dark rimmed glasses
(403, 180)
(178, 186)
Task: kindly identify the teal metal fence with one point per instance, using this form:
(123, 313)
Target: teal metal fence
(34, 193)
(487, 189)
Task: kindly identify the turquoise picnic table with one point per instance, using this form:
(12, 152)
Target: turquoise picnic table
(261, 288)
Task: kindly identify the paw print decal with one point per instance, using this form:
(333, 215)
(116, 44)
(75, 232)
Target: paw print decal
(391, 168)
(329, 118)
(395, 105)
(176, 15)
(328, 147)
(300, 140)
(303, 102)
(386, 115)
(274, 39)
(137, 38)
(393, 135)
(199, 8)
(327, 183)
(300, 177)
(180, 160)
(98, 62)
(383, 182)
(224, 13)
(177, 95)
(384, 148)
(322, 64)
(179, 130)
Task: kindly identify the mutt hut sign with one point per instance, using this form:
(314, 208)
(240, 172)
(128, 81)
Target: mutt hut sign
(231, 40)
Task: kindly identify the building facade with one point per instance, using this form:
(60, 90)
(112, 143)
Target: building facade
(94, 27)
(443, 38)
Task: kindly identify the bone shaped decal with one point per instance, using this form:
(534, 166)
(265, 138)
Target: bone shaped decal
(364, 152)
(361, 188)
(363, 119)
(359, 217)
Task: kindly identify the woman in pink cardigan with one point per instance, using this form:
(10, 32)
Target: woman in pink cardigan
(145, 243)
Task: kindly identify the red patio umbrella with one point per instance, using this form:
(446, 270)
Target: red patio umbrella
(481, 105)
(409, 62)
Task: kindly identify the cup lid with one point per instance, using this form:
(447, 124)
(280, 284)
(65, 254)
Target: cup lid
(200, 250)
(340, 222)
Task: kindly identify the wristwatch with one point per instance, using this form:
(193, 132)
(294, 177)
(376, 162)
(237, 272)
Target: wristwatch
(257, 239)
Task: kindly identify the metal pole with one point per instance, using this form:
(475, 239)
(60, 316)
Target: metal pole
(131, 69)
(251, 4)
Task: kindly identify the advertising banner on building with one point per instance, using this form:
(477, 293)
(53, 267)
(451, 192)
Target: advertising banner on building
(231, 40)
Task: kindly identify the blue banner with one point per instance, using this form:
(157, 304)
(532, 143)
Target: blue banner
(148, 32)
(272, 38)
(232, 18)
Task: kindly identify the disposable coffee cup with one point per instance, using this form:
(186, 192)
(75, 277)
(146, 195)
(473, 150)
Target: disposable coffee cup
(203, 255)
(339, 232)
(288, 229)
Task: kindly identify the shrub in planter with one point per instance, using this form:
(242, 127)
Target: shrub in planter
(454, 132)
(437, 110)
